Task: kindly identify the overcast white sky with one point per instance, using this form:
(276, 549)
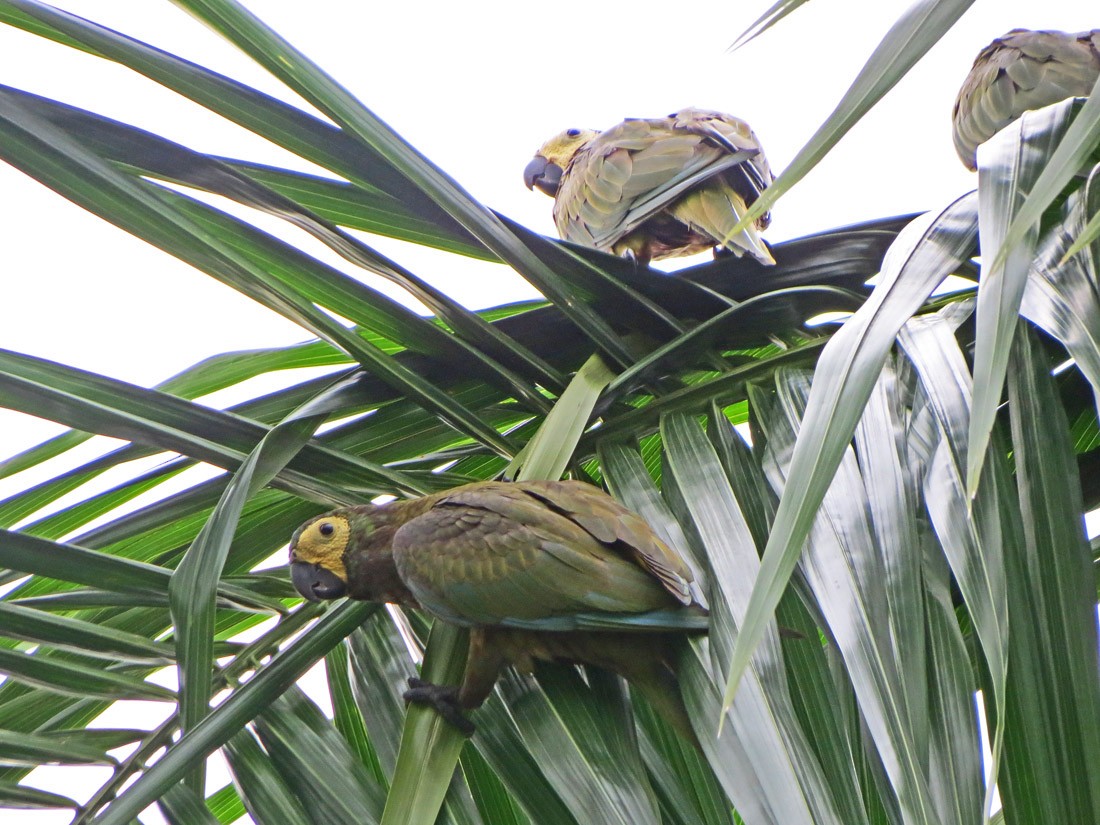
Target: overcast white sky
(477, 87)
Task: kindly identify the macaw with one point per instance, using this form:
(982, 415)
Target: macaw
(537, 570)
(657, 188)
(1018, 72)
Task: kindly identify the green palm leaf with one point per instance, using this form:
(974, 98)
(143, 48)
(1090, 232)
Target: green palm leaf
(877, 533)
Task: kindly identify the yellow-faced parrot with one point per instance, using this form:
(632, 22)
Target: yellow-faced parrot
(1018, 72)
(538, 570)
(658, 188)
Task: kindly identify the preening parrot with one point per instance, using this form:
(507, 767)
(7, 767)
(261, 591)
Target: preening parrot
(1018, 72)
(658, 188)
(539, 570)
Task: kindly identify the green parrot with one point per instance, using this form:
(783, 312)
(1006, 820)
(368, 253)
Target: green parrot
(538, 570)
(1018, 72)
(658, 188)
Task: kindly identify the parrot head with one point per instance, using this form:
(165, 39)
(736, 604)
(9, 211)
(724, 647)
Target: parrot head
(317, 566)
(552, 159)
(348, 552)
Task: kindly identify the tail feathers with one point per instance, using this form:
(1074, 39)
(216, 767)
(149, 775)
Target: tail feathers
(715, 211)
(661, 689)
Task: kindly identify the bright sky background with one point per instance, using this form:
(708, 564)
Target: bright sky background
(477, 87)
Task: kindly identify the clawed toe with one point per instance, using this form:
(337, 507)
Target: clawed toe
(444, 698)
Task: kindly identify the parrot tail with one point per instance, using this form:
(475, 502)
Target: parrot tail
(715, 211)
(661, 689)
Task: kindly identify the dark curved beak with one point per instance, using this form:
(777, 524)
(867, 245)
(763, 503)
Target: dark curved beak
(542, 173)
(315, 582)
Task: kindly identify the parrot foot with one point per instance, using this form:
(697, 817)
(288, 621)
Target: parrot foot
(443, 698)
(639, 262)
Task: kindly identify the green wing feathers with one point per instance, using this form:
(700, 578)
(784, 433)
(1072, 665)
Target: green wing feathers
(500, 553)
(654, 187)
(1019, 72)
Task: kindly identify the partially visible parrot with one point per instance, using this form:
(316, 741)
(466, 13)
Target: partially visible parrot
(658, 188)
(530, 567)
(1018, 72)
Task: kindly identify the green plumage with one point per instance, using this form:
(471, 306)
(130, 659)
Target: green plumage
(532, 568)
(1018, 72)
(658, 187)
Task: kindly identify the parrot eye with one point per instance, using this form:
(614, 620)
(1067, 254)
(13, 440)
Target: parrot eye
(573, 132)
(326, 529)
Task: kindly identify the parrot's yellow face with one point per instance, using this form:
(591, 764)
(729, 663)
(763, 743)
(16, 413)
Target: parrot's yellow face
(317, 566)
(562, 146)
(552, 159)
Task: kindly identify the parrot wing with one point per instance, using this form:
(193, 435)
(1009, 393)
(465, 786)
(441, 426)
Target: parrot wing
(1019, 72)
(496, 555)
(634, 171)
(612, 524)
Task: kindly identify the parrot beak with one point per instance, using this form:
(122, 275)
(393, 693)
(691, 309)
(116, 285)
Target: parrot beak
(542, 173)
(315, 582)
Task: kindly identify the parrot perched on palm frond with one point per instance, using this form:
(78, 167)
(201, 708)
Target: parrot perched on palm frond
(658, 188)
(538, 570)
(1018, 72)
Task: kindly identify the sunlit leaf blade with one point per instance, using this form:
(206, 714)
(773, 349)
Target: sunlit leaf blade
(557, 437)
(868, 713)
(1053, 726)
(924, 634)
(193, 587)
(66, 676)
(818, 691)
(543, 796)
(316, 763)
(225, 804)
(1061, 295)
(592, 721)
(133, 204)
(266, 797)
(111, 407)
(27, 798)
(24, 749)
(380, 666)
(70, 563)
(916, 31)
(297, 131)
(923, 255)
(765, 21)
(279, 57)
(1088, 235)
(971, 533)
(953, 742)
(1009, 164)
(345, 714)
(759, 731)
(229, 717)
(494, 803)
(182, 806)
(845, 569)
(19, 622)
(429, 745)
(807, 669)
(1075, 151)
